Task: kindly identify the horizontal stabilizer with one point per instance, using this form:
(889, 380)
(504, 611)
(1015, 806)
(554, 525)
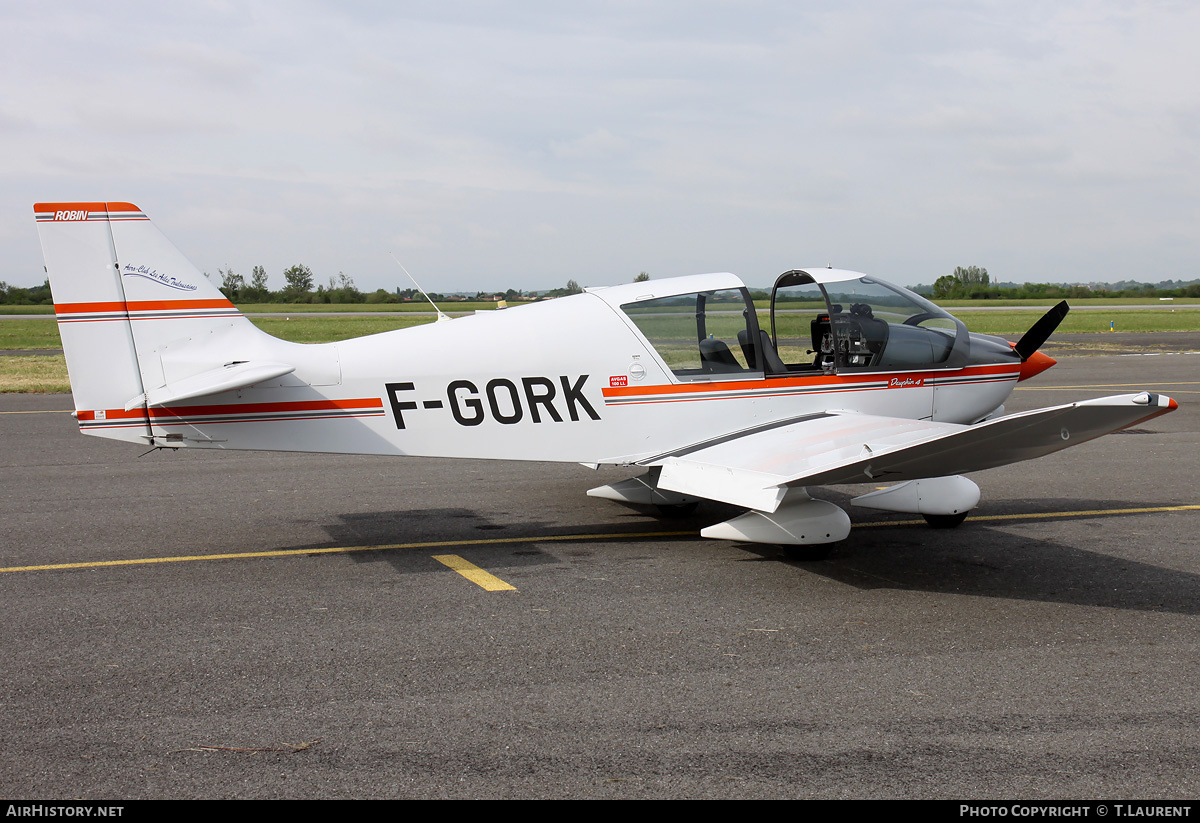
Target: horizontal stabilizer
(235, 375)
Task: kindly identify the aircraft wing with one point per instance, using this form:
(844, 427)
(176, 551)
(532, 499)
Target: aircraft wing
(755, 468)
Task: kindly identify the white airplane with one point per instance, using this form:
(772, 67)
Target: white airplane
(856, 381)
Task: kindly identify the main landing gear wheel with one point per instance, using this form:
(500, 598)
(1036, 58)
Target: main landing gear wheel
(944, 521)
(808, 553)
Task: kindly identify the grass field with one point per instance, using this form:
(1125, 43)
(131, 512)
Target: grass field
(29, 373)
(316, 329)
(34, 374)
(1130, 320)
(313, 327)
(42, 332)
(48, 373)
(26, 310)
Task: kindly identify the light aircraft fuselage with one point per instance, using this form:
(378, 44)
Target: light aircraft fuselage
(844, 378)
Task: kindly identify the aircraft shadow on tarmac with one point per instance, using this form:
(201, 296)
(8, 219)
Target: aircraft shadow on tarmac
(985, 558)
(981, 558)
(983, 561)
(504, 545)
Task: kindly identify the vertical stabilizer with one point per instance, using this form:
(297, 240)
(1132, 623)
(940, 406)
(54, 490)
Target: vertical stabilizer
(137, 319)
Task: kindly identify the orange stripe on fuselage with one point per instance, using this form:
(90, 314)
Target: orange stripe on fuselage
(832, 381)
(234, 408)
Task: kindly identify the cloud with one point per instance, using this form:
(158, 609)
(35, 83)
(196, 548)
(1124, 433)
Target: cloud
(669, 136)
(597, 145)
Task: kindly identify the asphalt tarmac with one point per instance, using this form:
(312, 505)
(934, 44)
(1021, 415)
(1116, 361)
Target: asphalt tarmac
(1047, 648)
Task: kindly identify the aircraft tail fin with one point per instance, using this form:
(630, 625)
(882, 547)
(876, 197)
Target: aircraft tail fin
(140, 325)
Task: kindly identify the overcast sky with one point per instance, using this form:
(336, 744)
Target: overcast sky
(522, 144)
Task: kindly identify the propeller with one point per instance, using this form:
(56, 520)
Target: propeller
(1040, 331)
(1034, 362)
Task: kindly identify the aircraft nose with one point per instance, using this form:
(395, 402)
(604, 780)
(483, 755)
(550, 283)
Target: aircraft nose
(1035, 364)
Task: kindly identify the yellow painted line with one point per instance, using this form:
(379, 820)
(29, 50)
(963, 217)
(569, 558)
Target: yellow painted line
(440, 544)
(984, 518)
(563, 538)
(1077, 388)
(485, 580)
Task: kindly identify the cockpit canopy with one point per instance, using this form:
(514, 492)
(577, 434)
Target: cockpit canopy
(821, 320)
(835, 320)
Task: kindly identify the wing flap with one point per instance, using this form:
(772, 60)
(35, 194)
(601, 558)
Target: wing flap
(752, 469)
(740, 487)
(755, 470)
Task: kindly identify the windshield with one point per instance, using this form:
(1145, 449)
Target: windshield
(861, 323)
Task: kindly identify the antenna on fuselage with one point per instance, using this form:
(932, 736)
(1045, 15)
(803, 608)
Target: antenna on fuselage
(440, 314)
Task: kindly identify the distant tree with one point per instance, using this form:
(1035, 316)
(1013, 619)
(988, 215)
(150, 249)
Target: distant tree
(971, 281)
(971, 276)
(232, 283)
(343, 290)
(257, 290)
(258, 279)
(381, 296)
(411, 294)
(642, 278)
(299, 279)
(573, 287)
(21, 296)
(945, 286)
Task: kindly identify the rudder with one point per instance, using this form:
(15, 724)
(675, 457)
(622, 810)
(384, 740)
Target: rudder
(90, 307)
